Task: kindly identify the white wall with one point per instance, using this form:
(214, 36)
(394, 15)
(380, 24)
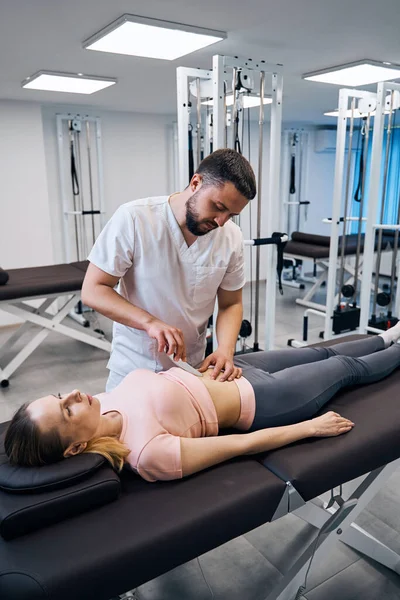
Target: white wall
(24, 202)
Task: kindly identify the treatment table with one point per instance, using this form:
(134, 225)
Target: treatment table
(151, 528)
(58, 289)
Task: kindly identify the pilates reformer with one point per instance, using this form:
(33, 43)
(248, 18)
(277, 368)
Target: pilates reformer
(77, 530)
(58, 289)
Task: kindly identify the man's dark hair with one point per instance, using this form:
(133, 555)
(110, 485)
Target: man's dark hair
(226, 165)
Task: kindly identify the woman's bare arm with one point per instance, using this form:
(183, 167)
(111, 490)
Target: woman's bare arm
(200, 453)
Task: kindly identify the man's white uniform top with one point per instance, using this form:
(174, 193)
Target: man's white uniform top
(143, 245)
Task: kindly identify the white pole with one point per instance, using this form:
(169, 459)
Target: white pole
(218, 102)
(273, 206)
(373, 206)
(336, 208)
(183, 127)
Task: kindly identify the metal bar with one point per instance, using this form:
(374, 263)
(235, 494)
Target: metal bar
(100, 172)
(383, 202)
(62, 184)
(259, 197)
(89, 155)
(234, 109)
(366, 152)
(218, 102)
(336, 209)
(198, 124)
(183, 127)
(54, 325)
(346, 198)
(273, 208)
(299, 183)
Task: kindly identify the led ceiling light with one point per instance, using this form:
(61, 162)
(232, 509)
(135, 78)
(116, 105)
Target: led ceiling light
(363, 72)
(152, 38)
(248, 101)
(357, 113)
(74, 83)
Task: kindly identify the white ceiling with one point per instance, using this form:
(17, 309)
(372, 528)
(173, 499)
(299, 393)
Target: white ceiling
(303, 35)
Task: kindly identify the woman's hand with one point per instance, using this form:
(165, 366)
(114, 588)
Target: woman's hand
(330, 424)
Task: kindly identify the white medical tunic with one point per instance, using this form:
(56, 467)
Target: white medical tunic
(143, 245)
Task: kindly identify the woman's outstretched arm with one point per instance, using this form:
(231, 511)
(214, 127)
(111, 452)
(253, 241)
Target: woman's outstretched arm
(200, 453)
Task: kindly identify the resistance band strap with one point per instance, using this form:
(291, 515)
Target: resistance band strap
(292, 189)
(357, 193)
(74, 173)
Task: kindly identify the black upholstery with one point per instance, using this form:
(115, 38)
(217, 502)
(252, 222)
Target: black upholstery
(150, 529)
(21, 480)
(317, 246)
(38, 497)
(4, 276)
(39, 281)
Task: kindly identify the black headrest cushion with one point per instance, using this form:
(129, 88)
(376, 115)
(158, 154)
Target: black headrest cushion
(3, 276)
(35, 497)
(59, 475)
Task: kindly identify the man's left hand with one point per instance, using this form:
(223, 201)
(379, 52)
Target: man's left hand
(224, 369)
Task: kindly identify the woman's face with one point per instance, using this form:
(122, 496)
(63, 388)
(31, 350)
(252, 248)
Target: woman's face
(76, 416)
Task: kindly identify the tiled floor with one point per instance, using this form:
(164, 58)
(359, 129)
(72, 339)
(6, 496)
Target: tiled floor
(246, 568)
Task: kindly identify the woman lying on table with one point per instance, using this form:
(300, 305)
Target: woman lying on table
(165, 425)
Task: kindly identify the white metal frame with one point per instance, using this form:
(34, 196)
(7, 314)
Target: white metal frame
(183, 76)
(374, 203)
(61, 119)
(273, 202)
(344, 96)
(48, 322)
(301, 174)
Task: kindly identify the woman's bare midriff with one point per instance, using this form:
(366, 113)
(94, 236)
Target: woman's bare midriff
(226, 398)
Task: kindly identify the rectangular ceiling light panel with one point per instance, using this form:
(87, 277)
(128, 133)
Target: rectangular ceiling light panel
(248, 101)
(152, 38)
(74, 83)
(364, 72)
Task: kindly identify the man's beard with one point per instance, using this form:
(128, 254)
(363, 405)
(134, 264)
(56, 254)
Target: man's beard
(193, 223)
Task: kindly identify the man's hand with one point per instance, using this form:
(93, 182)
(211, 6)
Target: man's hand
(170, 339)
(222, 361)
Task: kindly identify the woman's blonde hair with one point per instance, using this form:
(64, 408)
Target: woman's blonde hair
(111, 449)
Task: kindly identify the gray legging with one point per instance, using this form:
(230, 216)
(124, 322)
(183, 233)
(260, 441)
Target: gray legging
(292, 385)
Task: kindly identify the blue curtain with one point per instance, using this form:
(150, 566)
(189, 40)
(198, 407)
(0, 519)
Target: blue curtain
(392, 186)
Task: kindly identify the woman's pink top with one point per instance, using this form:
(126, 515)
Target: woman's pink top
(158, 409)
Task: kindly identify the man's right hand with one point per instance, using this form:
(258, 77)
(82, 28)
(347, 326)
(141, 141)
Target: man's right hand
(170, 339)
